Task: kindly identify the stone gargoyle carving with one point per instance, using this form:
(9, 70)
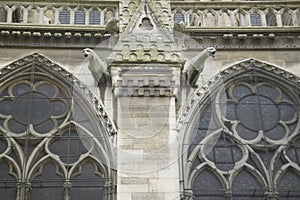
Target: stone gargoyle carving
(98, 68)
(194, 68)
(112, 27)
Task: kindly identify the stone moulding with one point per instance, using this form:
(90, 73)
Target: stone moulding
(76, 84)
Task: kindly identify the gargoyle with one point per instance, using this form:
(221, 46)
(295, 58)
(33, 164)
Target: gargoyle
(98, 68)
(194, 68)
(112, 27)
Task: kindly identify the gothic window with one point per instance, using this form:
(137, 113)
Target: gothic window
(271, 19)
(17, 15)
(49, 17)
(52, 143)
(33, 16)
(286, 18)
(64, 17)
(3, 15)
(79, 17)
(209, 19)
(94, 18)
(194, 19)
(241, 19)
(242, 140)
(225, 19)
(108, 15)
(255, 19)
(179, 17)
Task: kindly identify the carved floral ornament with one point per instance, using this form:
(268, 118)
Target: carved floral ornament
(240, 134)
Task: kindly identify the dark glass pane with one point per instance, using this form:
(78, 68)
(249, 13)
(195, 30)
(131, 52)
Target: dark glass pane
(47, 90)
(178, 17)
(69, 146)
(246, 133)
(7, 182)
(3, 144)
(44, 127)
(276, 133)
(287, 111)
(240, 91)
(246, 185)
(16, 127)
(224, 153)
(257, 113)
(255, 19)
(271, 19)
(287, 19)
(64, 17)
(288, 185)
(20, 89)
(79, 17)
(269, 92)
(59, 108)
(206, 185)
(87, 185)
(94, 18)
(293, 152)
(48, 185)
(32, 108)
(3, 15)
(230, 110)
(5, 106)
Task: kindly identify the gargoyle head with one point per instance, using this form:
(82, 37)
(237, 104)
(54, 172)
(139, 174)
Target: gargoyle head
(211, 51)
(86, 52)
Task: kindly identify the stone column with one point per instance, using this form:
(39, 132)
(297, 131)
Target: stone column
(147, 136)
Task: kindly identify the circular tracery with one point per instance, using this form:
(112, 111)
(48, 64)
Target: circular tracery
(39, 103)
(257, 113)
(260, 111)
(31, 108)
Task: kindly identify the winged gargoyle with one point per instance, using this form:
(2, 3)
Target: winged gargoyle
(195, 67)
(98, 68)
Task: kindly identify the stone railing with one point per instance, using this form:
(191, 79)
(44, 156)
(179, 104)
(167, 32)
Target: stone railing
(84, 13)
(236, 14)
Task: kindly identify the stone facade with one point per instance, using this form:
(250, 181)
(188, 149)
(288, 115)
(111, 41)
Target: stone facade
(140, 137)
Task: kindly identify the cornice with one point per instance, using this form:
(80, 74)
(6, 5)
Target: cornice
(233, 4)
(59, 3)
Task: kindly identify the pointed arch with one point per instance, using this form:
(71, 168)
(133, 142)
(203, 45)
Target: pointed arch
(248, 183)
(227, 103)
(42, 103)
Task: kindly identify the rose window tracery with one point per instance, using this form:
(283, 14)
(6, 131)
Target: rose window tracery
(40, 104)
(259, 113)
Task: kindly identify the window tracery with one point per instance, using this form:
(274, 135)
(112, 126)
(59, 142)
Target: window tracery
(51, 145)
(242, 141)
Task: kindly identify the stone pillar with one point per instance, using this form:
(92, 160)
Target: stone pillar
(147, 137)
(23, 191)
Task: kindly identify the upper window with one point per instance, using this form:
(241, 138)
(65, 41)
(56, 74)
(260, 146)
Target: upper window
(79, 17)
(3, 15)
(287, 19)
(178, 17)
(64, 17)
(271, 19)
(255, 19)
(94, 18)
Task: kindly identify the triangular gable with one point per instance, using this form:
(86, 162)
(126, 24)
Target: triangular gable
(146, 38)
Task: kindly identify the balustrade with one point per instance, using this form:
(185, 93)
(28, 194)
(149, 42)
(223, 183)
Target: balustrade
(34, 14)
